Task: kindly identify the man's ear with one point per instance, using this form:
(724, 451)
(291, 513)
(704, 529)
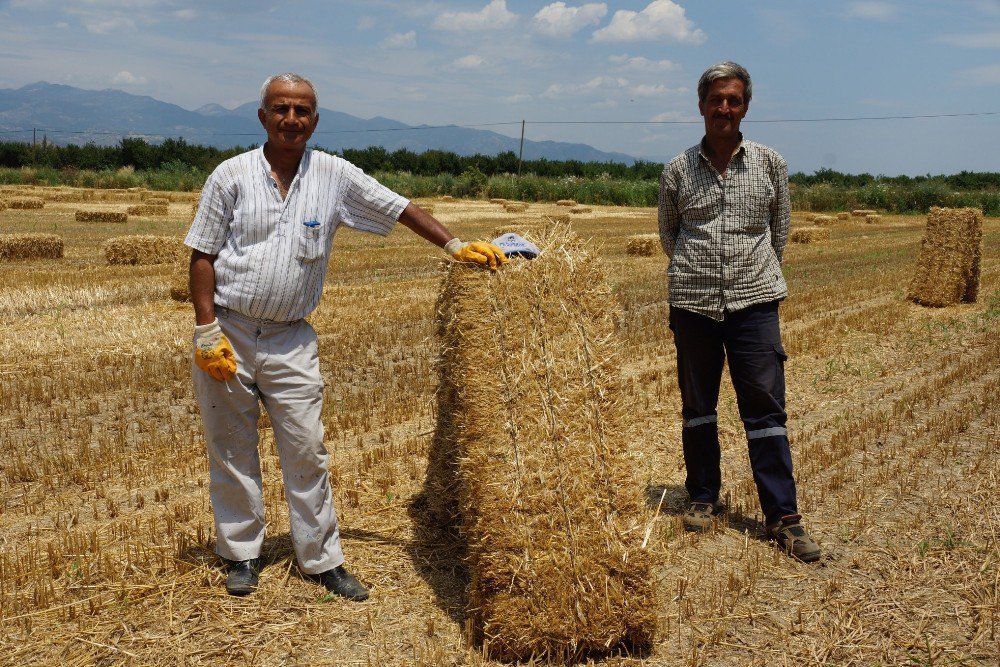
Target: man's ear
(261, 117)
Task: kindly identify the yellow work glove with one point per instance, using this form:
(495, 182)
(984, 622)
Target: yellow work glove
(213, 353)
(477, 252)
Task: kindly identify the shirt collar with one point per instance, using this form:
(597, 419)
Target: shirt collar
(266, 168)
(739, 149)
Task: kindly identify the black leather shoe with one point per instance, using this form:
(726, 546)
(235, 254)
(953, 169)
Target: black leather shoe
(341, 582)
(243, 576)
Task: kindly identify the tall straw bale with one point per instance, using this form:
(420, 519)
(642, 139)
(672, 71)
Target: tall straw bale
(26, 202)
(532, 462)
(949, 263)
(808, 234)
(643, 245)
(515, 206)
(101, 216)
(145, 210)
(131, 250)
(566, 202)
(30, 246)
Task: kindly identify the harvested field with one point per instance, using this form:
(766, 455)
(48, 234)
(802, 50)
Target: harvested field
(643, 245)
(580, 209)
(107, 533)
(515, 206)
(25, 203)
(149, 210)
(101, 216)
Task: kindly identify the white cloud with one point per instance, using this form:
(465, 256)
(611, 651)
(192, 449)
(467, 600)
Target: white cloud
(987, 74)
(982, 40)
(558, 20)
(186, 14)
(605, 104)
(872, 11)
(647, 90)
(108, 25)
(127, 78)
(640, 64)
(366, 23)
(673, 117)
(469, 62)
(490, 17)
(406, 40)
(661, 18)
(62, 25)
(596, 86)
(516, 99)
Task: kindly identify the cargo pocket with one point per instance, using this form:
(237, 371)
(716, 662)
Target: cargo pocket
(312, 243)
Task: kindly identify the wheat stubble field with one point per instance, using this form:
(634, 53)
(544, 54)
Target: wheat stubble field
(106, 530)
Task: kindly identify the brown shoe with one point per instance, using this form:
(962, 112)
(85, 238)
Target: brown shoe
(699, 516)
(793, 538)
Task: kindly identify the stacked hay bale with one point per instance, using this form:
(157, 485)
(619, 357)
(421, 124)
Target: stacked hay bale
(147, 210)
(30, 246)
(580, 209)
(643, 245)
(515, 206)
(949, 263)
(101, 216)
(532, 462)
(566, 202)
(132, 250)
(808, 234)
(26, 203)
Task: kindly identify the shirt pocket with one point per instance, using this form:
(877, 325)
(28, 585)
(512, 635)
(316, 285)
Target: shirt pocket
(312, 241)
(759, 204)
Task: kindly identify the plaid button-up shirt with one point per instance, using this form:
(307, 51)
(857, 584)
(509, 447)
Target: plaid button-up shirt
(725, 235)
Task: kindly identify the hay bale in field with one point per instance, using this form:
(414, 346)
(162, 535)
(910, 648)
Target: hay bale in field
(872, 218)
(531, 460)
(30, 246)
(643, 245)
(843, 215)
(862, 212)
(823, 219)
(180, 289)
(3, 205)
(429, 208)
(581, 209)
(949, 263)
(808, 234)
(26, 203)
(515, 206)
(447, 198)
(156, 201)
(561, 218)
(530, 228)
(132, 250)
(497, 200)
(146, 210)
(566, 202)
(101, 216)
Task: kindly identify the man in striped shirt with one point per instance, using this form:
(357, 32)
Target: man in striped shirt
(723, 216)
(261, 242)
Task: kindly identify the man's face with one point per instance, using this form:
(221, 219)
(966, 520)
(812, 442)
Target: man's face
(289, 115)
(723, 108)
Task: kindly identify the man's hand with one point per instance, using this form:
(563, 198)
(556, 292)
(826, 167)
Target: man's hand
(213, 353)
(477, 252)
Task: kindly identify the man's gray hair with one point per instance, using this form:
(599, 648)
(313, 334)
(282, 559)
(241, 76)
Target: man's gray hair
(287, 77)
(727, 69)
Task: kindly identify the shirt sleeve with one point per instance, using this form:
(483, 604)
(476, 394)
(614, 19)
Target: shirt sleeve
(668, 213)
(211, 223)
(367, 205)
(782, 213)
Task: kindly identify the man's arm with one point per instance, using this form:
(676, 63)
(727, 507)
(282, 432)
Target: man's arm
(782, 214)
(202, 284)
(424, 225)
(668, 213)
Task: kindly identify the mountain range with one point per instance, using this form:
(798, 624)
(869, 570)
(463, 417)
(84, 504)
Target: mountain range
(68, 115)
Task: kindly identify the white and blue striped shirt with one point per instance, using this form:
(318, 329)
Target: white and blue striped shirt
(272, 254)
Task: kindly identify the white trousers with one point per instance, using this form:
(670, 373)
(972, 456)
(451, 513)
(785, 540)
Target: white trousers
(277, 363)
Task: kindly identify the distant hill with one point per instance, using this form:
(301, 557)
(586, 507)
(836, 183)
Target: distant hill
(68, 115)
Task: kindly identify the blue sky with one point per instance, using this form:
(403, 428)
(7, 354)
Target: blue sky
(492, 61)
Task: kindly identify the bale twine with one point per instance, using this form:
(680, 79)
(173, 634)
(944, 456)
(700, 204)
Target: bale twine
(26, 202)
(532, 462)
(132, 250)
(809, 234)
(949, 263)
(30, 246)
(581, 209)
(642, 245)
(566, 202)
(843, 215)
(515, 206)
(862, 212)
(101, 216)
(872, 218)
(147, 210)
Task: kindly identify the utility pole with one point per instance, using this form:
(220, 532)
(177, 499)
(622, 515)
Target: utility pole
(520, 153)
(34, 141)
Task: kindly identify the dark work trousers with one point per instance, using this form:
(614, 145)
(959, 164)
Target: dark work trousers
(751, 338)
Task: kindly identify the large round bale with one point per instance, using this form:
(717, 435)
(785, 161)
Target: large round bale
(101, 216)
(30, 246)
(26, 203)
(949, 263)
(132, 250)
(809, 234)
(580, 209)
(566, 202)
(642, 245)
(515, 206)
(148, 210)
(532, 461)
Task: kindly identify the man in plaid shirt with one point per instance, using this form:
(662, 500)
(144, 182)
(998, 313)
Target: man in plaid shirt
(724, 215)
